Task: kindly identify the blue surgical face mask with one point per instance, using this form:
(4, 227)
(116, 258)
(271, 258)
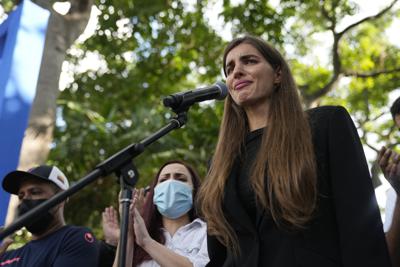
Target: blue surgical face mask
(173, 198)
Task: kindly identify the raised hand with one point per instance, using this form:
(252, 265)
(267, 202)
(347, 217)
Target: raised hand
(141, 232)
(110, 226)
(140, 199)
(390, 166)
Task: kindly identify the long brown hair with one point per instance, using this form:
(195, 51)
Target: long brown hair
(286, 156)
(153, 218)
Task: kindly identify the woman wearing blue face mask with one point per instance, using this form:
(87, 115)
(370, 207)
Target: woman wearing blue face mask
(169, 233)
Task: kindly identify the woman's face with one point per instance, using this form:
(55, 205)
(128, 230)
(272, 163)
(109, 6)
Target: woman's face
(250, 78)
(177, 172)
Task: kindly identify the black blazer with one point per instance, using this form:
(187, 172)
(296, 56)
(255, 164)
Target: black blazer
(346, 229)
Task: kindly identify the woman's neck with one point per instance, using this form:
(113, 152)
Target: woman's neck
(172, 225)
(257, 116)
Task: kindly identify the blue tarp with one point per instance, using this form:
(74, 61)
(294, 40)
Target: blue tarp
(22, 38)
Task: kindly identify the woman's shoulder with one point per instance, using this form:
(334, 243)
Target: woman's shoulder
(325, 114)
(325, 111)
(325, 118)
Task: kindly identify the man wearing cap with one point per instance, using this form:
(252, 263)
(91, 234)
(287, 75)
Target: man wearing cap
(53, 242)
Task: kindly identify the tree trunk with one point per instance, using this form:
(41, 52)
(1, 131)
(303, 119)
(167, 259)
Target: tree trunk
(62, 31)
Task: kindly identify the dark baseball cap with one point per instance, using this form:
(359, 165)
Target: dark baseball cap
(13, 180)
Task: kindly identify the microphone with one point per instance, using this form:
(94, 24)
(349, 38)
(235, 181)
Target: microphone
(183, 100)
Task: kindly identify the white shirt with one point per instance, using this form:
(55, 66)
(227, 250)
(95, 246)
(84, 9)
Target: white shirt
(189, 241)
(389, 209)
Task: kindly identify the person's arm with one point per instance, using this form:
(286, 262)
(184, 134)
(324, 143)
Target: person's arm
(162, 255)
(390, 166)
(361, 236)
(393, 236)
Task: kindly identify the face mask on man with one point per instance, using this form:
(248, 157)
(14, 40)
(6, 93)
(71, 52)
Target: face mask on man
(173, 198)
(39, 225)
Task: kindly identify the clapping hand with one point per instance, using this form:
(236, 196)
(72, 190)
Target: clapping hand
(110, 220)
(110, 226)
(389, 164)
(141, 233)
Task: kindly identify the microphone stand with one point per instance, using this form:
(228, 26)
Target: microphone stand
(128, 177)
(120, 164)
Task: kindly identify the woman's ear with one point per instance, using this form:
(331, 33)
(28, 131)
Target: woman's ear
(278, 76)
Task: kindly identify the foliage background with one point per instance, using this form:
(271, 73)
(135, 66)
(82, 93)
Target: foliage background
(148, 49)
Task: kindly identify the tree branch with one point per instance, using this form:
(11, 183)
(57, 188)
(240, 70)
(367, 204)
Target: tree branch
(378, 116)
(372, 147)
(336, 73)
(309, 98)
(363, 137)
(369, 18)
(336, 62)
(354, 73)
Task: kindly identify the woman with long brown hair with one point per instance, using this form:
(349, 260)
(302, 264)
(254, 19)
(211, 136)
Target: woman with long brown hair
(286, 187)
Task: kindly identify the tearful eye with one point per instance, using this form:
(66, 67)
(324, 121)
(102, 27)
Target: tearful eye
(251, 61)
